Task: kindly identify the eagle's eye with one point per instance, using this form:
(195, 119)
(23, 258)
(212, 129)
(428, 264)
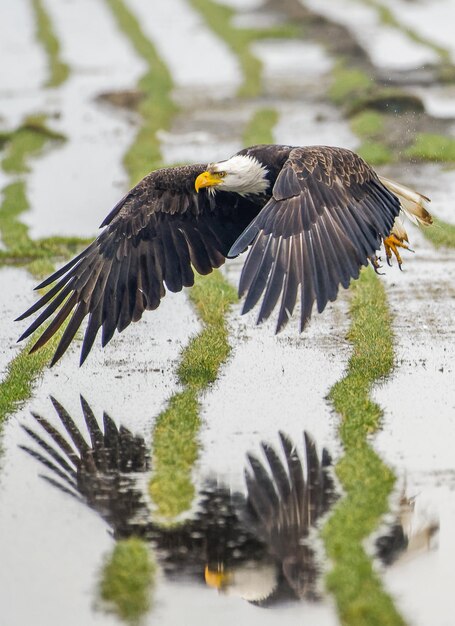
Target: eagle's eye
(221, 174)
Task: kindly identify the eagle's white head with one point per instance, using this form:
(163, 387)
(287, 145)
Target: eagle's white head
(241, 174)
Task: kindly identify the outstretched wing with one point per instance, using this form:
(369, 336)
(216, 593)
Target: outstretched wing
(153, 238)
(326, 217)
(287, 503)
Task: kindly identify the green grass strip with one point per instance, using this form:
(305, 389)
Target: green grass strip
(127, 579)
(349, 85)
(58, 69)
(432, 147)
(368, 124)
(156, 107)
(21, 374)
(260, 127)
(368, 483)
(175, 447)
(219, 19)
(375, 153)
(14, 233)
(441, 234)
(25, 142)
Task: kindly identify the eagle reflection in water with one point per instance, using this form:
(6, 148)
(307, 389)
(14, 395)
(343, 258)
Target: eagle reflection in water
(261, 545)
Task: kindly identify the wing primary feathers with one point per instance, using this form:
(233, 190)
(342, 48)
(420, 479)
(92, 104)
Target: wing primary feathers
(110, 298)
(253, 261)
(48, 311)
(172, 275)
(328, 265)
(318, 279)
(198, 253)
(70, 331)
(93, 326)
(290, 288)
(320, 271)
(181, 247)
(58, 320)
(129, 295)
(306, 288)
(275, 281)
(341, 253)
(259, 281)
(45, 298)
(122, 297)
(244, 240)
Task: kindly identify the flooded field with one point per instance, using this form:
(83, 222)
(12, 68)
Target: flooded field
(130, 494)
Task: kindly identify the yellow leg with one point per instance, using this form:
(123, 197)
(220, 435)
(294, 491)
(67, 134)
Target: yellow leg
(391, 245)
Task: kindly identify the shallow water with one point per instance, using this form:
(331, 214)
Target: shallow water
(16, 287)
(430, 19)
(419, 420)
(171, 26)
(387, 47)
(22, 64)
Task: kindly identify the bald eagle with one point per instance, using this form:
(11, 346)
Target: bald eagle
(312, 217)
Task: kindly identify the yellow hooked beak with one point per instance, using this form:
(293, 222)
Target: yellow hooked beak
(216, 578)
(207, 179)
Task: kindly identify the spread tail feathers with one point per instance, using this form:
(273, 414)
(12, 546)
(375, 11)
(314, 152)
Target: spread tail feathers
(414, 204)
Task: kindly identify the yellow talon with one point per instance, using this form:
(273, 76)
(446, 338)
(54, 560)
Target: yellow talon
(391, 245)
